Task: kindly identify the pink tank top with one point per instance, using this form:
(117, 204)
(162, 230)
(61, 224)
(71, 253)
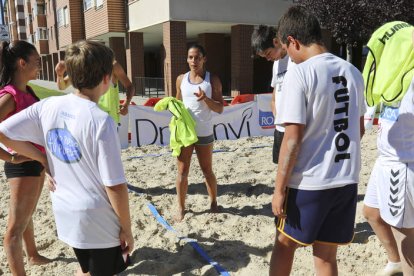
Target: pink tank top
(22, 100)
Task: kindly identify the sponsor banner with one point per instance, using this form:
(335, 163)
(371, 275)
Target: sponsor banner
(151, 127)
(123, 131)
(236, 121)
(148, 126)
(266, 118)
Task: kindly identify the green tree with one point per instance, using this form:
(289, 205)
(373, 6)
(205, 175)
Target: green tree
(351, 22)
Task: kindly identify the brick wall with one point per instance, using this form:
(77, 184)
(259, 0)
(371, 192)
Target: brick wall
(175, 46)
(135, 58)
(117, 44)
(216, 57)
(241, 61)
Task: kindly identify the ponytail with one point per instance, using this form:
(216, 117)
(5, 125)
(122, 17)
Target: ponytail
(10, 53)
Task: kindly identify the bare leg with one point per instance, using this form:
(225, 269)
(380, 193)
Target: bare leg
(80, 273)
(205, 159)
(34, 258)
(405, 242)
(181, 183)
(24, 194)
(383, 232)
(282, 256)
(324, 257)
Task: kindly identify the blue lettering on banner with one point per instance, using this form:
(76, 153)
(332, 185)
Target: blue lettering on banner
(63, 145)
(266, 119)
(390, 113)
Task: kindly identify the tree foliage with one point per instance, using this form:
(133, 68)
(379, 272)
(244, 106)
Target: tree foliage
(353, 21)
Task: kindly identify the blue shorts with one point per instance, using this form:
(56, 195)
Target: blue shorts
(325, 216)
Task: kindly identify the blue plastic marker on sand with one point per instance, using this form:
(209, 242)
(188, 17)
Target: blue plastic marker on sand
(192, 242)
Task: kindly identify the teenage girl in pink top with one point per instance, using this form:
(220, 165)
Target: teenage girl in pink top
(19, 64)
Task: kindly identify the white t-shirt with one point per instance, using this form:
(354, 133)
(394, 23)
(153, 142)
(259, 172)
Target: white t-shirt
(84, 156)
(199, 110)
(280, 68)
(395, 140)
(324, 93)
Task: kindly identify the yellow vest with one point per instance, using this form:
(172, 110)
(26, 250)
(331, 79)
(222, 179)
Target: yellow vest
(109, 102)
(389, 67)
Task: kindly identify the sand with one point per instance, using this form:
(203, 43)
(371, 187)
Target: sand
(239, 239)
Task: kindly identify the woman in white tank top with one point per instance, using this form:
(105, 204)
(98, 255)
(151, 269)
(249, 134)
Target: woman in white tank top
(201, 93)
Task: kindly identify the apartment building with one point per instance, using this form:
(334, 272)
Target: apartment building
(150, 37)
(14, 16)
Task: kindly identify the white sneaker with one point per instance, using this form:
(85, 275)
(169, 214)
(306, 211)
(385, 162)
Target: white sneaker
(390, 269)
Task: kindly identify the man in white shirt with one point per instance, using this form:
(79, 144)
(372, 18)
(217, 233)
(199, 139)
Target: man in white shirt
(316, 185)
(265, 44)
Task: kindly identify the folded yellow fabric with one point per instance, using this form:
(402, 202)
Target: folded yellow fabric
(182, 125)
(389, 67)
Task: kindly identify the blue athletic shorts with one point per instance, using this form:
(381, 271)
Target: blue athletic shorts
(325, 216)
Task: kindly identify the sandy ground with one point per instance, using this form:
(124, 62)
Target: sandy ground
(239, 239)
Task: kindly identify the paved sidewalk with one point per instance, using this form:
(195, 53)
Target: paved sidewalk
(52, 85)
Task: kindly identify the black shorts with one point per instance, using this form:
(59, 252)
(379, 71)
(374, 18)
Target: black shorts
(101, 262)
(29, 168)
(278, 137)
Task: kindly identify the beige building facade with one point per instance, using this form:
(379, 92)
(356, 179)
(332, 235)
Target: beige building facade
(150, 37)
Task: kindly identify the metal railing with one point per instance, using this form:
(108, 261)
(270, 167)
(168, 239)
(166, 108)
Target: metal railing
(149, 87)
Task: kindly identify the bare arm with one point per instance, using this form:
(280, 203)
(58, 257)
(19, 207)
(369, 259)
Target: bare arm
(361, 126)
(24, 148)
(7, 105)
(215, 103)
(62, 81)
(118, 197)
(289, 151)
(121, 76)
(178, 95)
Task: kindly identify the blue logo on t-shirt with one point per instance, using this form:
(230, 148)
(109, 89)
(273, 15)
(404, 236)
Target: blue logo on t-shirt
(63, 145)
(390, 113)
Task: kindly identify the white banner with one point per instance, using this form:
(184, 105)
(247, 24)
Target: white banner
(266, 118)
(123, 131)
(151, 127)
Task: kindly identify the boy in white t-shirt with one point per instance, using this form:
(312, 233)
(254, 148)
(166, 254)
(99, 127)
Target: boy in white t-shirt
(315, 192)
(90, 195)
(266, 45)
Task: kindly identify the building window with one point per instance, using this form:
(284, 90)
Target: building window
(63, 16)
(98, 3)
(87, 4)
(60, 21)
(39, 9)
(51, 32)
(41, 34)
(29, 19)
